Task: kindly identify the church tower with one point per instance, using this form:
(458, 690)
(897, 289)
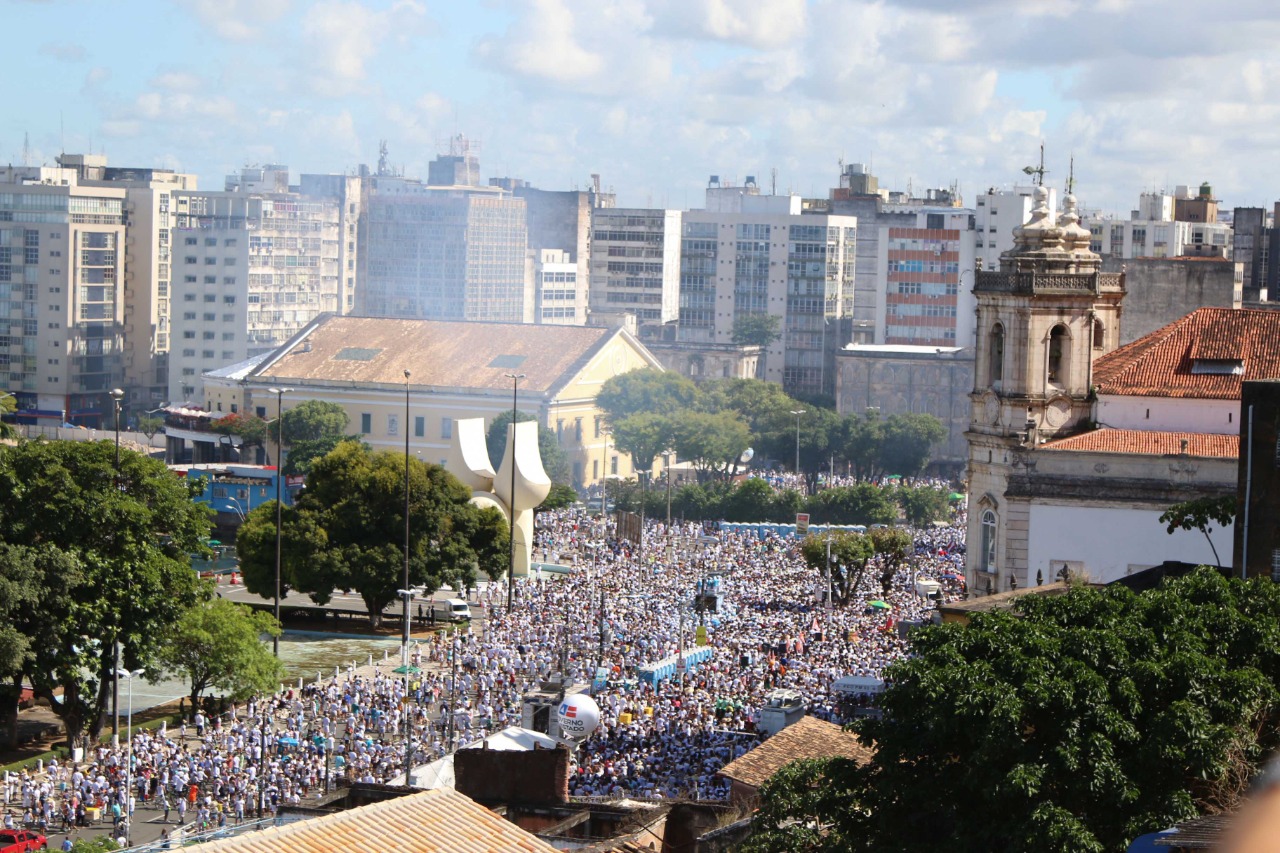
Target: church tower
(1042, 319)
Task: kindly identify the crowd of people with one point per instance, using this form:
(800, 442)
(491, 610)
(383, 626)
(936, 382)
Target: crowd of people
(619, 607)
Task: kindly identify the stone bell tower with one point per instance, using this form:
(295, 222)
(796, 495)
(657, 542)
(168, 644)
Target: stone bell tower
(1042, 319)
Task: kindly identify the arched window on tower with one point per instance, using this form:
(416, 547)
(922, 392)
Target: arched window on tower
(1058, 354)
(988, 541)
(1099, 336)
(996, 366)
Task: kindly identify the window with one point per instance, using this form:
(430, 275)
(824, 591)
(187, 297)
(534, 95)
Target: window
(996, 367)
(598, 424)
(613, 465)
(988, 552)
(211, 297)
(366, 423)
(419, 427)
(1057, 353)
(446, 427)
(1098, 337)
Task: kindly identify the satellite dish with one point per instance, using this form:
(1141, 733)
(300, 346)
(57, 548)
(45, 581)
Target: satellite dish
(579, 715)
(747, 455)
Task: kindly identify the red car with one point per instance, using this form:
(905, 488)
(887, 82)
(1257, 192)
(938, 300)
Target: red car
(21, 840)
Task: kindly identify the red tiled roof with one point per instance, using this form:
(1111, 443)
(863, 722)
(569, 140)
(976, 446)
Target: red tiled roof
(1150, 443)
(808, 737)
(1160, 364)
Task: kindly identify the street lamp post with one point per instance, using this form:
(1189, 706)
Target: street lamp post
(511, 566)
(666, 464)
(279, 392)
(128, 770)
(406, 594)
(405, 591)
(797, 413)
(116, 396)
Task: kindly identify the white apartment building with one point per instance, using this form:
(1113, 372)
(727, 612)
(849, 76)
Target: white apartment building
(559, 298)
(635, 263)
(1146, 238)
(61, 300)
(997, 212)
(924, 280)
(249, 271)
(753, 254)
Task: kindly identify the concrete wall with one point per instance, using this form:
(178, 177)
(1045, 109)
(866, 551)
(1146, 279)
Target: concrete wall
(1160, 291)
(1169, 414)
(505, 776)
(1258, 504)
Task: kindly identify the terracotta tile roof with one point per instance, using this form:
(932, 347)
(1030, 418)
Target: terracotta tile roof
(438, 821)
(1150, 443)
(377, 350)
(1161, 364)
(807, 738)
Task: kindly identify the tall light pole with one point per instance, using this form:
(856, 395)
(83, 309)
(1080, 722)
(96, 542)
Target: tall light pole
(406, 593)
(797, 413)
(666, 464)
(128, 770)
(279, 392)
(116, 396)
(511, 566)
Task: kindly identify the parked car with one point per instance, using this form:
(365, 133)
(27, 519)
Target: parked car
(21, 840)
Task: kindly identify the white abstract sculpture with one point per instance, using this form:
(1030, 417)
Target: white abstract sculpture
(469, 461)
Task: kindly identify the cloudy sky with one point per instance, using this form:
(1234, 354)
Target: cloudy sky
(655, 95)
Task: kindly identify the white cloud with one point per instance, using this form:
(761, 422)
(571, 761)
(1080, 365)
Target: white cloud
(341, 37)
(753, 23)
(238, 20)
(64, 51)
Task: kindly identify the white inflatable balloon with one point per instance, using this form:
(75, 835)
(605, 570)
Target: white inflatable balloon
(578, 715)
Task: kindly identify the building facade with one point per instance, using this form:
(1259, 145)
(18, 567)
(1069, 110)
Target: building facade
(635, 264)
(925, 280)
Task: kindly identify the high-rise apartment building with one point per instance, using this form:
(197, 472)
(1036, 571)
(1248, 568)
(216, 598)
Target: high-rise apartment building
(61, 300)
(442, 252)
(755, 254)
(926, 280)
(251, 267)
(997, 213)
(559, 296)
(635, 264)
(1249, 248)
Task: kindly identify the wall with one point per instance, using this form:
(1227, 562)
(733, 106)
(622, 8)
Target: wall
(1169, 414)
(1112, 541)
(1159, 291)
(1258, 504)
(506, 776)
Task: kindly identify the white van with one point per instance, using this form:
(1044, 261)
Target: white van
(451, 609)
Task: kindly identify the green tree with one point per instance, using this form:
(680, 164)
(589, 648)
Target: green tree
(302, 454)
(149, 425)
(858, 442)
(115, 553)
(251, 429)
(1075, 723)
(658, 392)
(216, 645)
(347, 532)
(313, 420)
(8, 405)
(802, 810)
(863, 503)
(907, 441)
(758, 330)
(850, 552)
(893, 547)
(555, 462)
(23, 575)
(561, 495)
(922, 505)
(1200, 514)
(713, 443)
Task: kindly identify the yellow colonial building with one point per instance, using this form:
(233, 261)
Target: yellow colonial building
(456, 370)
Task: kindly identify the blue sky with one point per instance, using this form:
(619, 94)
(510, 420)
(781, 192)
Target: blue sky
(656, 95)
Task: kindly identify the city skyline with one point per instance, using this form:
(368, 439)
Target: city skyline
(655, 97)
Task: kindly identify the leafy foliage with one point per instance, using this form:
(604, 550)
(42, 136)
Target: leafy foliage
(148, 425)
(216, 645)
(1199, 514)
(302, 454)
(1075, 724)
(347, 532)
(923, 505)
(313, 420)
(251, 428)
(560, 496)
(111, 560)
(756, 329)
(850, 552)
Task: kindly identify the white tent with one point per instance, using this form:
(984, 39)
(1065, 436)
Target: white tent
(439, 773)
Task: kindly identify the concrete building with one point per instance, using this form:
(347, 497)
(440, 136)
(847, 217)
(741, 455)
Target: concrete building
(1249, 249)
(61, 274)
(754, 254)
(997, 213)
(444, 252)
(1159, 291)
(252, 266)
(148, 265)
(457, 370)
(1257, 536)
(560, 294)
(635, 265)
(1146, 238)
(895, 379)
(922, 291)
(706, 360)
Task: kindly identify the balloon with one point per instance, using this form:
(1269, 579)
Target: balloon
(578, 716)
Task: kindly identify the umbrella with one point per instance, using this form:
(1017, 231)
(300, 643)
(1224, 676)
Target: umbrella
(956, 496)
(214, 542)
(881, 605)
(287, 741)
(406, 670)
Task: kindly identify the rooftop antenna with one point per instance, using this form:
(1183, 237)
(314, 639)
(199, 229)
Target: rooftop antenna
(26, 149)
(773, 183)
(1039, 171)
(1071, 176)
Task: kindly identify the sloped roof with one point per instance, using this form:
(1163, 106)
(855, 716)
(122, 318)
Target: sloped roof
(438, 353)
(439, 821)
(809, 737)
(1161, 364)
(1150, 443)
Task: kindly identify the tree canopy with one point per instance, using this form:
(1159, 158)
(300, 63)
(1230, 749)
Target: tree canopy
(216, 645)
(555, 462)
(346, 532)
(756, 329)
(111, 560)
(1200, 514)
(1073, 723)
(313, 420)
